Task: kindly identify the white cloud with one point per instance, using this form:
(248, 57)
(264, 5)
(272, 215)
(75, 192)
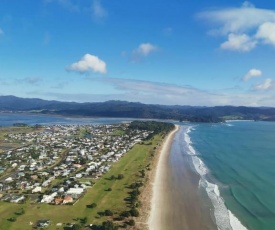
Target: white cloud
(247, 24)
(149, 87)
(1, 32)
(88, 63)
(237, 20)
(252, 73)
(149, 92)
(266, 32)
(163, 93)
(268, 84)
(239, 42)
(143, 50)
(98, 11)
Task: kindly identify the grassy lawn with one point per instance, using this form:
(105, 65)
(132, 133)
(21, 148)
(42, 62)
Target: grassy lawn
(118, 132)
(129, 165)
(7, 145)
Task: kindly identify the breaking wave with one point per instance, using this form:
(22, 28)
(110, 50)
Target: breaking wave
(224, 218)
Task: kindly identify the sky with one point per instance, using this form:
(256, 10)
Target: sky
(176, 52)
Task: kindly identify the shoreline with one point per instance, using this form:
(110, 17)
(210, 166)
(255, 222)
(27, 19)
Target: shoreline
(147, 191)
(176, 201)
(158, 177)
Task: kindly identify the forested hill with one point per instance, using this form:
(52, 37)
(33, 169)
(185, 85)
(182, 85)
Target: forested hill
(135, 110)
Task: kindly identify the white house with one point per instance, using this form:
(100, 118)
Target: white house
(37, 189)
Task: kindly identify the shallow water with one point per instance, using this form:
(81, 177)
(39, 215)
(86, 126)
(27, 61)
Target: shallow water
(8, 119)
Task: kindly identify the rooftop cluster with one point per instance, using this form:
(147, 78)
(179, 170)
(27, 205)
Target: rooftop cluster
(56, 165)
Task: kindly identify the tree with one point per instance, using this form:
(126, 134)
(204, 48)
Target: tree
(84, 220)
(131, 222)
(125, 214)
(109, 225)
(134, 212)
(112, 177)
(120, 176)
(142, 173)
(93, 205)
(108, 212)
(76, 227)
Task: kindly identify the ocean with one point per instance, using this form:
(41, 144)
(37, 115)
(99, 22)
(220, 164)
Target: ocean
(236, 164)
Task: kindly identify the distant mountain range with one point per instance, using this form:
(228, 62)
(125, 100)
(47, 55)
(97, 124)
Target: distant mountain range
(135, 110)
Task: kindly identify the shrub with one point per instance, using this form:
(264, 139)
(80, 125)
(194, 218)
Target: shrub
(120, 176)
(112, 177)
(108, 212)
(109, 225)
(93, 205)
(134, 212)
(131, 223)
(125, 214)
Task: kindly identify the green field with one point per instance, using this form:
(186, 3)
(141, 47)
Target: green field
(129, 165)
(8, 145)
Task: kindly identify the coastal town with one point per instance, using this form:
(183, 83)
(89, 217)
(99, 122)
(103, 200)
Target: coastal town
(57, 164)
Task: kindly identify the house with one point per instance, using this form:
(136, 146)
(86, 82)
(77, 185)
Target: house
(17, 199)
(67, 199)
(9, 179)
(78, 175)
(43, 223)
(49, 198)
(76, 191)
(58, 200)
(37, 189)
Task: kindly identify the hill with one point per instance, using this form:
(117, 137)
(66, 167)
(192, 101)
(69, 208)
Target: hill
(135, 110)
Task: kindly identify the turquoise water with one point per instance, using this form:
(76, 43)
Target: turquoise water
(240, 157)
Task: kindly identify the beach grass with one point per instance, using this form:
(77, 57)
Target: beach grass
(107, 193)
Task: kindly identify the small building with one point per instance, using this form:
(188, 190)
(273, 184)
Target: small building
(68, 199)
(77, 191)
(17, 199)
(58, 200)
(37, 189)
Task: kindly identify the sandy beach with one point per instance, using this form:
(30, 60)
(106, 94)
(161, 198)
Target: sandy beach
(175, 202)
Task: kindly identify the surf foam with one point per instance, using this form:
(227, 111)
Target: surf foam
(189, 142)
(224, 218)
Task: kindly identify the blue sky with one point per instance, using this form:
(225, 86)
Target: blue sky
(215, 52)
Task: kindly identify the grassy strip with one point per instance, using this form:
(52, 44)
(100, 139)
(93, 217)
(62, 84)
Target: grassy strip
(129, 165)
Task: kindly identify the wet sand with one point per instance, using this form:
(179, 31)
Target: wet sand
(176, 203)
